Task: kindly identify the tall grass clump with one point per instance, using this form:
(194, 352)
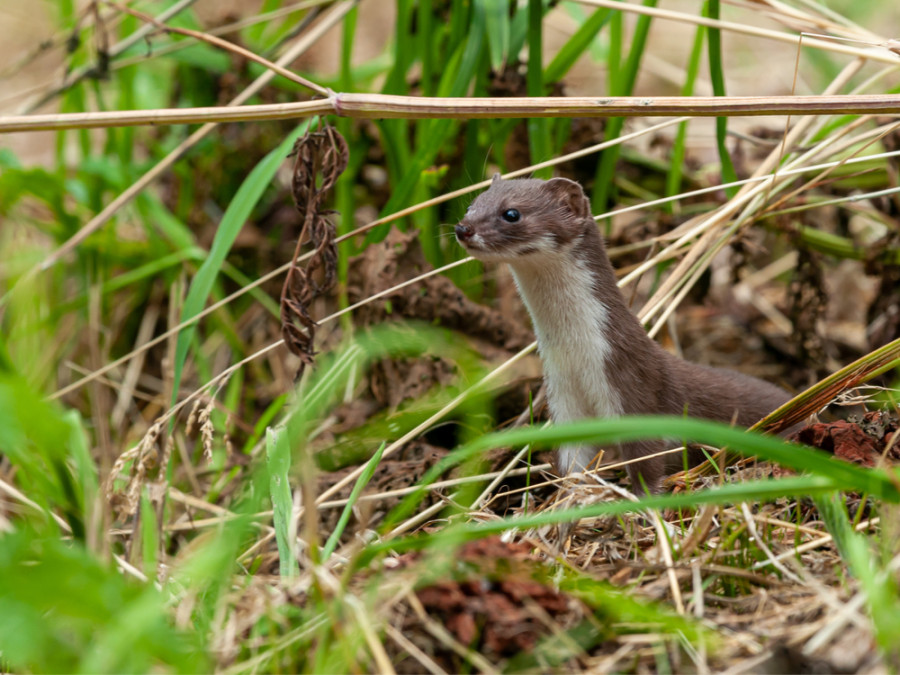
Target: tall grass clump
(179, 494)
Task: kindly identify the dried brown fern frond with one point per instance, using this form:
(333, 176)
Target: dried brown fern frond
(319, 159)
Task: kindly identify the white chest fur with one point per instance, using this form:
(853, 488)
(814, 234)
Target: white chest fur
(572, 326)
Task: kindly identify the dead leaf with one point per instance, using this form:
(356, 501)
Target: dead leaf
(320, 157)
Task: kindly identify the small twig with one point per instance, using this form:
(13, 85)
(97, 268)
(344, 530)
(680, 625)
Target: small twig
(411, 649)
(75, 76)
(444, 636)
(761, 544)
(223, 44)
(294, 51)
(364, 623)
(824, 540)
(498, 478)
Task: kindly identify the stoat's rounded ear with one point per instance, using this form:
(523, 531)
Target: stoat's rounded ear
(495, 179)
(571, 195)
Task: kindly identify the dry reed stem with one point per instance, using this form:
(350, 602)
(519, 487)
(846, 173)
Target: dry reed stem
(878, 52)
(385, 106)
(74, 76)
(360, 230)
(294, 51)
(223, 44)
(407, 645)
(688, 271)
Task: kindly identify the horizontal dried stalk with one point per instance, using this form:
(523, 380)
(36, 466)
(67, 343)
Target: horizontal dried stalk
(380, 106)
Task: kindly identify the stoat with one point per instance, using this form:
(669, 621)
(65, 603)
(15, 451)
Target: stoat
(598, 360)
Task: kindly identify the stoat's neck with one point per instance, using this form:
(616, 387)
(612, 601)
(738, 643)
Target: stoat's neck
(559, 294)
(575, 305)
(573, 298)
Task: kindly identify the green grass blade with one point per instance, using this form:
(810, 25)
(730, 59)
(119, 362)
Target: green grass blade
(882, 596)
(428, 38)
(598, 432)
(233, 220)
(404, 50)
(497, 30)
(278, 463)
(66, 611)
(576, 45)
(538, 133)
(622, 84)
(361, 483)
(748, 491)
(150, 270)
(42, 443)
(84, 469)
(833, 512)
(263, 422)
(717, 76)
(836, 473)
(676, 162)
(432, 134)
(614, 53)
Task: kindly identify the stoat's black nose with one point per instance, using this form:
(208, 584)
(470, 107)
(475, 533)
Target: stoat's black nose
(463, 232)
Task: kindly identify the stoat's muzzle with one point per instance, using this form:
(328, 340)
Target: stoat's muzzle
(463, 233)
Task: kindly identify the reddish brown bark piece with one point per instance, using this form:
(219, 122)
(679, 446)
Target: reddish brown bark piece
(492, 610)
(860, 442)
(494, 614)
(493, 547)
(843, 439)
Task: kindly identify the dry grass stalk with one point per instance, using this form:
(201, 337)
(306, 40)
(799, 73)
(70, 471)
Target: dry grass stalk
(299, 47)
(46, 91)
(697, 554)
(383, 106)
(360, 230)
(881, 50)
(223, 44)
(695, 262)
(72, 77)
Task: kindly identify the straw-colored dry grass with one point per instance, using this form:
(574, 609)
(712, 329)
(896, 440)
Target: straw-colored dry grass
(185, 478)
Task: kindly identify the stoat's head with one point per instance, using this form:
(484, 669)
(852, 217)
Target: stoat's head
(515, 219)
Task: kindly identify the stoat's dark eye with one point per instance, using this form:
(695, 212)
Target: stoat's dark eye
(511, 216)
